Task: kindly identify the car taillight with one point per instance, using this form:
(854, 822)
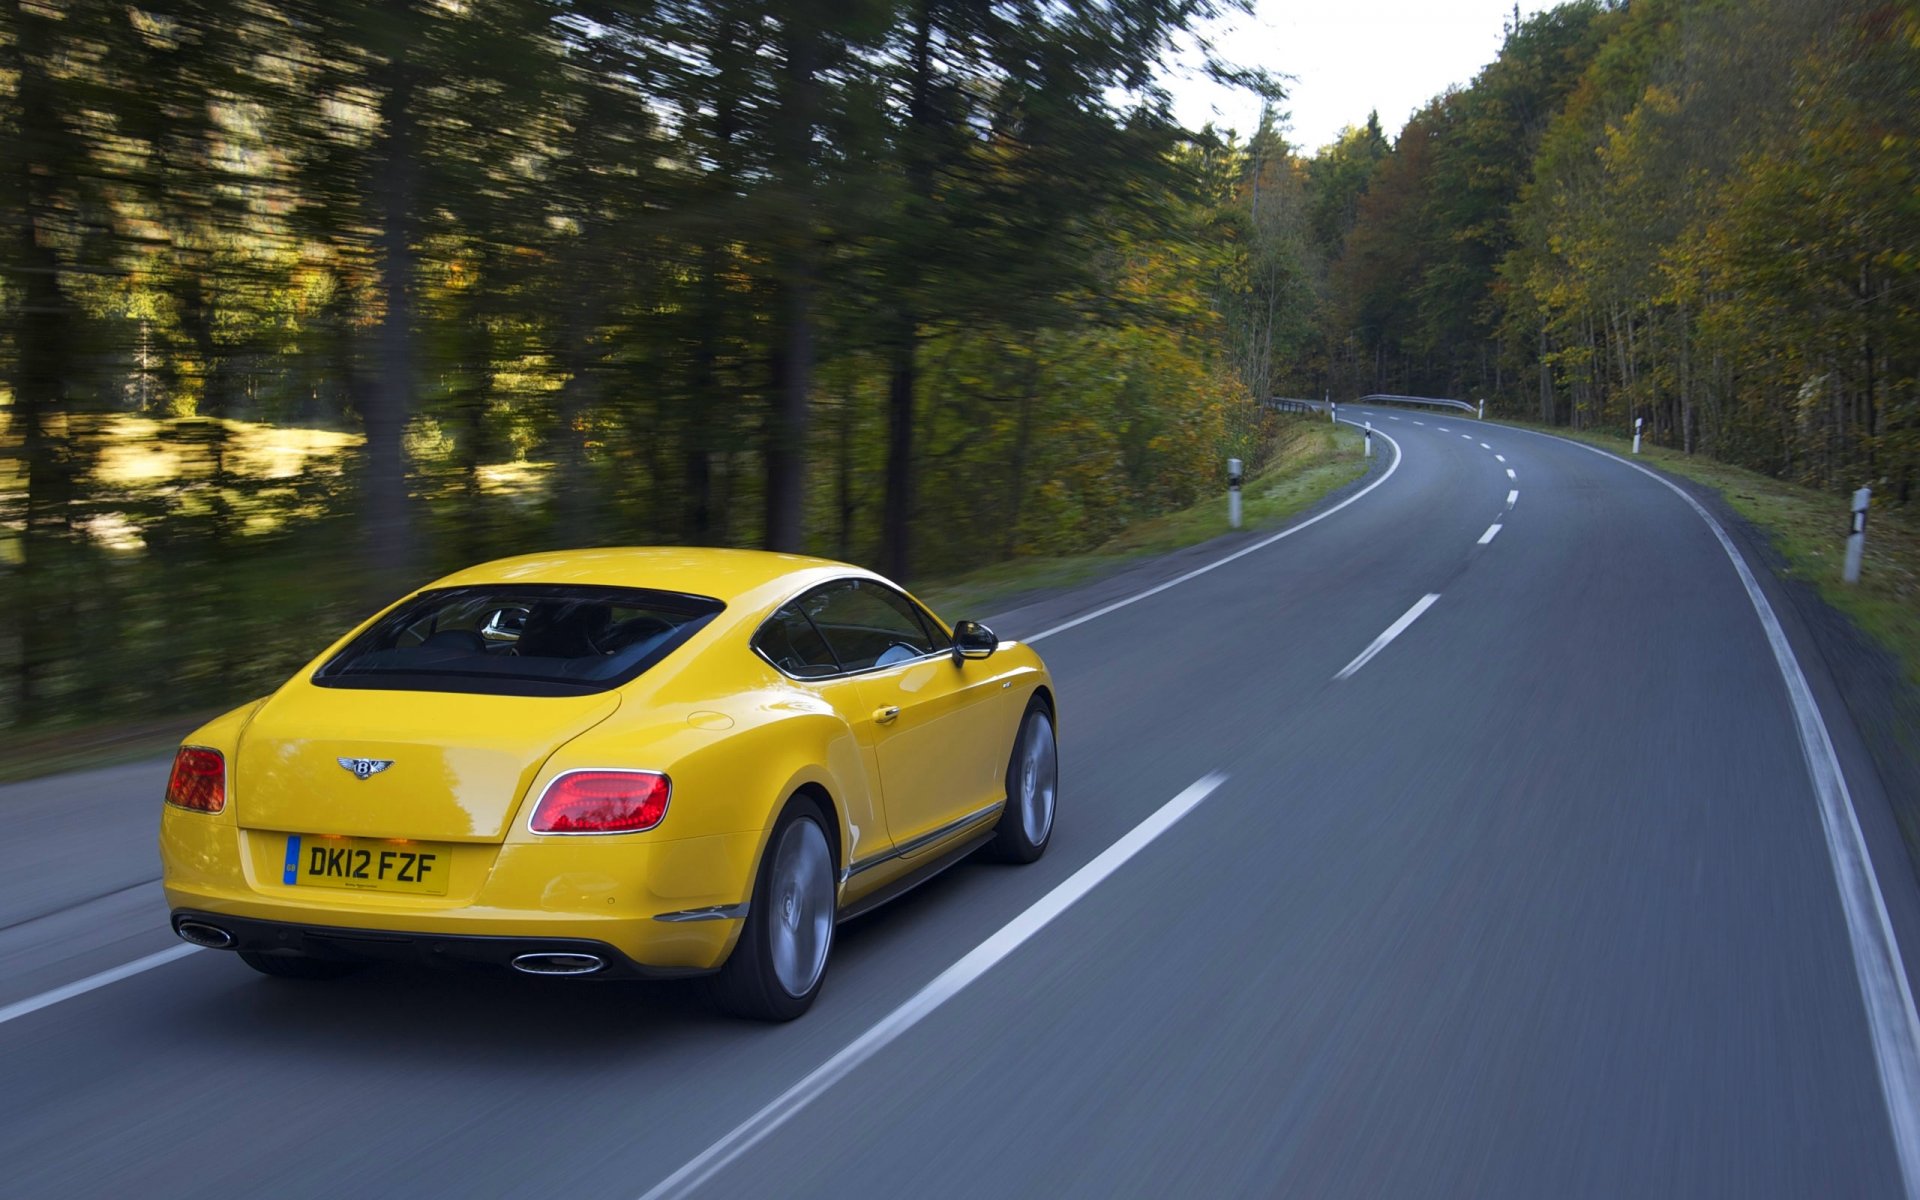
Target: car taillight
(601, 802)
(199, 780)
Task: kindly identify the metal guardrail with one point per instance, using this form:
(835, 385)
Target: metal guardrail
(1287, 404)
(1383, 399)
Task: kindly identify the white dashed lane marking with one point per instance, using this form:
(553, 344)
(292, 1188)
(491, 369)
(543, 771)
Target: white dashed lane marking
(1393, 631)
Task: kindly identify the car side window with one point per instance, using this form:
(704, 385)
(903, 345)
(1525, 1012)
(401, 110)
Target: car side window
(868, 624)
(790, 642)
(935, 634)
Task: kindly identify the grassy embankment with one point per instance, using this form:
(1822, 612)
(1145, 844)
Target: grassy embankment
(1309, 460)
(1808, 527)
(1311, 457)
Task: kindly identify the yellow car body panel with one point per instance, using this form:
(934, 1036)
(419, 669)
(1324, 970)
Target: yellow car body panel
(737, 738)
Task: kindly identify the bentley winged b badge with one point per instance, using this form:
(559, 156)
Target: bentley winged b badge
(365, 768)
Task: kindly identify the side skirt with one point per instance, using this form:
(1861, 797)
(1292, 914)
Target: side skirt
(914, 879)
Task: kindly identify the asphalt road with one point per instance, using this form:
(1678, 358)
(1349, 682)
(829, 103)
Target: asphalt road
(1535, 902)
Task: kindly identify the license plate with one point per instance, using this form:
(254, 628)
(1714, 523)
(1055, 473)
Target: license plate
(367, 864)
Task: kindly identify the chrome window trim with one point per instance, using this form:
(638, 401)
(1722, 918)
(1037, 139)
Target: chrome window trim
(528, 823)
(754, 638)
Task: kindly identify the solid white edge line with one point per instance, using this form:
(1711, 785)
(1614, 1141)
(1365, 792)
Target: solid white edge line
(1513, 497)
(1393, 631)
(1892, 1021)
(1488, 536)
(1262, 544)
(944, 987)
(33, 1004)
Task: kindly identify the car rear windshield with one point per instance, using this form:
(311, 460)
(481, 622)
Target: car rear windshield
(519, 640)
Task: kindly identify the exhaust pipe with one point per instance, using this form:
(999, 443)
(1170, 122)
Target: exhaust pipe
(557, 962)
(207, 937)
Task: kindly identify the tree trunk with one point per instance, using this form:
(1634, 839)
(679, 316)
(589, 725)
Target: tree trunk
(1546, 379)
(577, 505)
(697, 469)
(43, 357)
(1686, 384)
(787, 425)
(1023, 434)
(843, 484)
(786, 434)
(896, 523)
(389, 519)
(699, 522)
(896, 534)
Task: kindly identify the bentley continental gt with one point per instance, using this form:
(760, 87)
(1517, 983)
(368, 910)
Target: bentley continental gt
(619, 763)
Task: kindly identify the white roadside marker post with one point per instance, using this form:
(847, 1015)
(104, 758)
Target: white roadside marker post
(1483, 408)
(1637, 422)
(1857, 536)
(1369, 453)
(1333, 412)
(1233, 493)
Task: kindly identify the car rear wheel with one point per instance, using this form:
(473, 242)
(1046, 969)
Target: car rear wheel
(777, 966)
(1033, 790)
(297, 966)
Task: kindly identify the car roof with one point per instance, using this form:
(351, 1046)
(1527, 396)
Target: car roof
(726, 575)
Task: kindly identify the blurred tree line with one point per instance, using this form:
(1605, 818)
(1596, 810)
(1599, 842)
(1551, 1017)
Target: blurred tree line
(1701, 213)
(305, 301)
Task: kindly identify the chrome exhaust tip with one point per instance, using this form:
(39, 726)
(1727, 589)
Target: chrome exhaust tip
(207, 937)
(557, 962)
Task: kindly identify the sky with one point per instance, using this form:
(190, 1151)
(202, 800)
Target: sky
(1348, 57)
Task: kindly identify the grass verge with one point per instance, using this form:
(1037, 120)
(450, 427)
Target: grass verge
(84, 747)
(1311, 458)
(1808, 527)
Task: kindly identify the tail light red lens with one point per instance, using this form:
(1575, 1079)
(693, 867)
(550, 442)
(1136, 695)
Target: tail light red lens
(602, 802)
(199, 780)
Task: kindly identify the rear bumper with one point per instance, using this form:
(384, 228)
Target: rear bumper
(418, 949)
(633, 895)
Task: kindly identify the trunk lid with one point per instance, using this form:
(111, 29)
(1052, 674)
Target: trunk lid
(458, 763)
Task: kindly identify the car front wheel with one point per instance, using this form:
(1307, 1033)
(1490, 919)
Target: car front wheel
(1033, 790)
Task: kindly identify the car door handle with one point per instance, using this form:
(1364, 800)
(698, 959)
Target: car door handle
(885, 715)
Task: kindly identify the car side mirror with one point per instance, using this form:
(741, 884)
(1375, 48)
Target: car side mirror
(971, 639)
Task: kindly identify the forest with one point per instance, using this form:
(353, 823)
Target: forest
(1702, 214)
(305, 302)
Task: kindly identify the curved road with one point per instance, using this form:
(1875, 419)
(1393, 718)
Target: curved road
(1537, 900)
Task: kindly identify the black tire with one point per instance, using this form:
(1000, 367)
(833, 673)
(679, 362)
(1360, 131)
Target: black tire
(783, 920)
(297, 966)
(1023, 833)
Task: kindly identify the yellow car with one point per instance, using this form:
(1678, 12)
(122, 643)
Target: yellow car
(621, 763)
